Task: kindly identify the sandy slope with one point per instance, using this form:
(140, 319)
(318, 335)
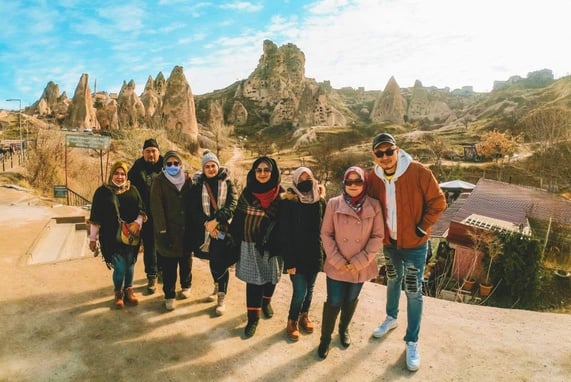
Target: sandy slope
(56, 324)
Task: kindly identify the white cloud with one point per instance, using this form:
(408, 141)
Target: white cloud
(242, 6)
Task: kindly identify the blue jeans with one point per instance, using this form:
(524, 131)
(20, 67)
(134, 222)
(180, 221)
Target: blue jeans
(124, 268)
(340, 293)
(302, 285)
(407, 263)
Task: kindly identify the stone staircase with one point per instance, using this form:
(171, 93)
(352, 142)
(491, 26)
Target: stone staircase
(62, 238)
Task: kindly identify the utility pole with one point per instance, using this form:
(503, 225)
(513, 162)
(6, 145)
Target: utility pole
(19, 125)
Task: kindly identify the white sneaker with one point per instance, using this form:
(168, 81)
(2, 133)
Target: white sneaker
(412, 356)
(214, 296)
(220, 306)
(388, 324)
(169, 304)
(185, 293)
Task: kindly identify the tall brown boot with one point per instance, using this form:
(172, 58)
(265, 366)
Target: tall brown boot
(130, 297)
(292, 331)
(119, 304)
(305, 323)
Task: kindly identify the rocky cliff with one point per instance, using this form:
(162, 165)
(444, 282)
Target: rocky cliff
(277, 93)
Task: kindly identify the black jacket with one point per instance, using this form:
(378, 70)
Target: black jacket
(300, 227)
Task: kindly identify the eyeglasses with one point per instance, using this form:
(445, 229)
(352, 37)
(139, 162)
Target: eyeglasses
(170, 164)
(259, 170)
(350, 182)
(387, 152)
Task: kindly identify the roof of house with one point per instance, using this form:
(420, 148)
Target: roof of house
(457, 185)
(513, 203)
(441, 226)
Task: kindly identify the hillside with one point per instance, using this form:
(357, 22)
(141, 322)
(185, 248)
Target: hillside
(57, 325)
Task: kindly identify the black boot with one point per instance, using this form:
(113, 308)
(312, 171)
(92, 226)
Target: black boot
(267, 308)
(347, 311)
(330, 314)
(253, 318)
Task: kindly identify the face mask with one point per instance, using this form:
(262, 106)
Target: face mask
(305, 186)
(172, 170)
(118, 185)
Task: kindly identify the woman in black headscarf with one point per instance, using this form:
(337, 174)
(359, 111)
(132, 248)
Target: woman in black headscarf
(254, 227)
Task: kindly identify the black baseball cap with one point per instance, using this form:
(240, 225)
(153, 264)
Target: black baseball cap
(383, 138)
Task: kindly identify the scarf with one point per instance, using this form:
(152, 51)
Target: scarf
(117, 190)
(256, 218)
(306, 197)
(178, 180)
(355, 203)
(266, 198)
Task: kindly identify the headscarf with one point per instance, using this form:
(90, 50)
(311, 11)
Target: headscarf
(178, 179)
(355, 202)
(267, 192)
(312, 195)
(118, 188)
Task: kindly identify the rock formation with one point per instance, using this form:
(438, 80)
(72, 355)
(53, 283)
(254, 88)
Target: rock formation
(390, 106)
(153, 102)
(424, 104)
(106, 111)
(51, 104)
(81, 113)
(178, 110)
(278, 86)
(238, 115)
(130, 109)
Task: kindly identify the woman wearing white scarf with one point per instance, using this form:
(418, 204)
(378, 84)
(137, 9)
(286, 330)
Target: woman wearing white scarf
(302, 213)
(169, 197)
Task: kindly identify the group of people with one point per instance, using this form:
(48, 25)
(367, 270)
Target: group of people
(274, 231)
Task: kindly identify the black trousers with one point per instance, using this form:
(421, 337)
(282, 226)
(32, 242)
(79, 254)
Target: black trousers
(169, 266)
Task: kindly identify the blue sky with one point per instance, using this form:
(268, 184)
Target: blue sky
(348, 42)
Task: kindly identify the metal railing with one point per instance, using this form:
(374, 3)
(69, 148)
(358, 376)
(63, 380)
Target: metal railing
(76, 200)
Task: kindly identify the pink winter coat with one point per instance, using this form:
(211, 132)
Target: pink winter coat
(352, 238)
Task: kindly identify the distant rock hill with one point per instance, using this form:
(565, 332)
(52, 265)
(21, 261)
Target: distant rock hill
(276, 94)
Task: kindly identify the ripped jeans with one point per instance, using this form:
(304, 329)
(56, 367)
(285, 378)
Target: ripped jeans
(408, 264)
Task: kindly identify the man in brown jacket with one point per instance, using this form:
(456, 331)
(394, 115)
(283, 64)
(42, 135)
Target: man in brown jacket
(412, 202)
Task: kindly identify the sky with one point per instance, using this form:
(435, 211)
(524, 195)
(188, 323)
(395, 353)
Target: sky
(442, 43)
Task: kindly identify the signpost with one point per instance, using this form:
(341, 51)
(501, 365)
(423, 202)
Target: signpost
(96, 142)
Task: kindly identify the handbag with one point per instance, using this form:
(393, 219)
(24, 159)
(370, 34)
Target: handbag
(124, 234)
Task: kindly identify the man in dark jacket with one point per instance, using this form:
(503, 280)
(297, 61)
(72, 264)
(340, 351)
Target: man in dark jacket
(141, 175)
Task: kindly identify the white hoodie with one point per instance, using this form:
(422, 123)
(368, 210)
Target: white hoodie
(403, 161)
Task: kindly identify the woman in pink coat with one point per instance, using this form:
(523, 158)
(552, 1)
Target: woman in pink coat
(352, 235)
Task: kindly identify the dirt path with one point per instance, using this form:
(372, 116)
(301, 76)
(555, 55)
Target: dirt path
(56, 324)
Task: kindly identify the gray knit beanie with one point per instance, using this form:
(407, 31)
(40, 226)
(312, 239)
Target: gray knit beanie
(209, 156)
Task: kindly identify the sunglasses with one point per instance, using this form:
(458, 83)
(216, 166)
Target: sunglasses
(387, 152)
(260, 170)
(170, 164)
(351, 182)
